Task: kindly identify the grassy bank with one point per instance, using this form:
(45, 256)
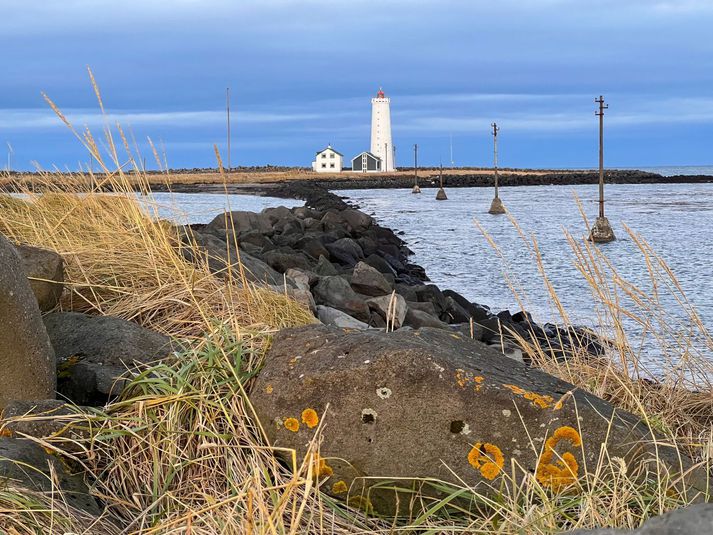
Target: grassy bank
(181, 451)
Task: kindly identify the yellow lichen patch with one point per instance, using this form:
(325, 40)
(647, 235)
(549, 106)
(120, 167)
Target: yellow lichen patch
(464, 378)
(565, 470)
(539, 400)
(291, 424)
(310, 418)
(5, 433)
(269, 389)
(487, 458)
(361, 502)
(340, 487)
(320, 468)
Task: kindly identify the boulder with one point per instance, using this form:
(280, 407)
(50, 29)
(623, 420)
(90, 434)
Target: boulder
(302, 296)
(337, 318)
(222, 258)
(335, 292)
(429, 293)
(357, 221)
(475, 311)
(302, 280)
(454, 313)
(391, 308)
(231, 225)
(333, 220)
(692, 520)
(277, 214)
(345, 251)
(325, 268)
(45, 418)
(312, 246)
(418, 318)
(435, 404)
(369, 281)
(281, 261)
(25, 464)
(45, 269)
(96, 353)
(380, 264)
(26, 357)
(258, 239)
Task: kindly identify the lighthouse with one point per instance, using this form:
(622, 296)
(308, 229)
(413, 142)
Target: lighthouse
(381, 144)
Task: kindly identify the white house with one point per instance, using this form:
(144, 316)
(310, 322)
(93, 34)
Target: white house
(366, 162)
(328, 161)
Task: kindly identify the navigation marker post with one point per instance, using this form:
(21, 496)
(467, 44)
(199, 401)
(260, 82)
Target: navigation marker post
(416, 188)
(441, 195)
(601, 231)
(496, 207)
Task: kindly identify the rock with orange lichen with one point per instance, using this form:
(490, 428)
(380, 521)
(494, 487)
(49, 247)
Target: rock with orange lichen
(433, 404)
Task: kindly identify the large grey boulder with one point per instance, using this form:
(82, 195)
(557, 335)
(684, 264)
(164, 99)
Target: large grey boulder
(232, 225)
(337, 318)
(26, 357)
(45, 270)
(345, 251)
(96, 353)
(391, 308)
(223, 259)
(691, 520)
(335, 292)
(418, 318)
(356, 220)
(369, 281)
(26, 465)
(435, 404)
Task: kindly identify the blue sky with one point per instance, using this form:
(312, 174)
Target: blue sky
(302, 74)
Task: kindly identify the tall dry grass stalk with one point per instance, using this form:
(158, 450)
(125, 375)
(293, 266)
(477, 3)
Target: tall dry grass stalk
(181, 450)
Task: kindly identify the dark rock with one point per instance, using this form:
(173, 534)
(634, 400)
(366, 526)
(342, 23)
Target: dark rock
(95, 353)
(418, 318)
(381, 265)
(409, 293)
(337, 318)
(692, 520)
(454, 313)
(229, 225)
(390, 307)
(368, 281)
(301, 279)
(522, 317)
(47, 417)
(24, 464)
(357, 222)
(335, 292)
(474, 311)
(255, 238)
(281, 261)
(333, 220)
(429, 293)
(491, 328)
(304, 212)
(278, 214)
(45, 270)
(26, 357)
(426, 307)
(394, 262)
(325, 268)
(504, 316)
(368, 246)
(419, 404)
(312, 247)
(345, 251)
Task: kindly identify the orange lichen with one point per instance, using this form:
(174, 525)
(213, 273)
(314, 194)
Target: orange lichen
(361, 502)
(487, 458)
(340, 487)
(320, 468)
(291, 424)
(5, 433)
(539, 400)
(463, 378)
(310, 418)
(269, 389)
(564, 471)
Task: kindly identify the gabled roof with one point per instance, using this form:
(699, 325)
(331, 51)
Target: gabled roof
(329, 147)
(368, 154)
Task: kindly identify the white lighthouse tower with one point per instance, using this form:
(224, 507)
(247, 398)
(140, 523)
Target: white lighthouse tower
(381, 144)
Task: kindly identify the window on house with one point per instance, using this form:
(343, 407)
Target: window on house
(324, 155)
(331, 155)
(324, 166)
(331, 165)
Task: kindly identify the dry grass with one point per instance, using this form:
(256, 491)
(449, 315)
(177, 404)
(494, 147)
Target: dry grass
(182, 452)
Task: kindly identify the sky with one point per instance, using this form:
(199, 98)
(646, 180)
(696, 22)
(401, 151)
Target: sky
(302, 73)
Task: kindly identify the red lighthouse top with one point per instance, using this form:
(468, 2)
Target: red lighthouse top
(380, 94)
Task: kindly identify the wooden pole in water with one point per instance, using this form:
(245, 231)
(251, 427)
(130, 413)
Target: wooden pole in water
(496, 207)
(227, 109)
(441, 195)
(601, 231)
(416, 188)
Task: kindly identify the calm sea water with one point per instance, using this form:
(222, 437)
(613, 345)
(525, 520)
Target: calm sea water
(675, 219)
(671, 170)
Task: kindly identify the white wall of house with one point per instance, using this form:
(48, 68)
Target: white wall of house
(328, 161)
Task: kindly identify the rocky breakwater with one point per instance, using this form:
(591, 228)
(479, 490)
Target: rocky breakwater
(357, 274)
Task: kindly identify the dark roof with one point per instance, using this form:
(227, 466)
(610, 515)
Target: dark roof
(367, 153)
(330, 148)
